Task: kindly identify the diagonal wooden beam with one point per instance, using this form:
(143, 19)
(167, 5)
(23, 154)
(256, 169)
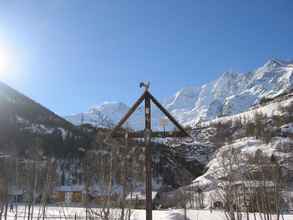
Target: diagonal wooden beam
(128, 114)
(169, 116)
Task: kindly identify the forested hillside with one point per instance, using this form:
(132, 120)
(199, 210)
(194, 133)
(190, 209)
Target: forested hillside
(25, 124)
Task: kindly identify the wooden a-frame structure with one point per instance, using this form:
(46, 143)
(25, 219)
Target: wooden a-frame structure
(147, 134)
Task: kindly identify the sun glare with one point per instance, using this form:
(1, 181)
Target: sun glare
(6, 63)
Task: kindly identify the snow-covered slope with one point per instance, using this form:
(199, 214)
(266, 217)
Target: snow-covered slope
(265, 129)
(276, 141)
(230, 94)
(278, 147)
(270, 109)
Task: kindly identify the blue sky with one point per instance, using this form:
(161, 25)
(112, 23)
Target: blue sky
(70, 55)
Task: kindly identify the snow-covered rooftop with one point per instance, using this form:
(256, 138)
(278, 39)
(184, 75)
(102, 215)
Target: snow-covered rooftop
(139, 195)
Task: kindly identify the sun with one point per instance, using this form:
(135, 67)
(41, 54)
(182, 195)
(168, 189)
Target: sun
(6, 63)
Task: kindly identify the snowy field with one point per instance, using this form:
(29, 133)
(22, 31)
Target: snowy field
(69, 213)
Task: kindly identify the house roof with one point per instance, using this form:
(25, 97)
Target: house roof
(94, 190)
(15, 191)
(74, 188)
(139, 195)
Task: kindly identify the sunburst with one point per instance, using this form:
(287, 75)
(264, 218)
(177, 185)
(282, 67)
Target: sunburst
(6, 61)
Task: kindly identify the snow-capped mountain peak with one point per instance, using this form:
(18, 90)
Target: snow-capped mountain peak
(231, 93)
(109, 107)
(184, 99)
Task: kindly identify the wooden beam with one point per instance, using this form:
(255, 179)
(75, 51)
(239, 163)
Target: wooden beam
(155, 134)
(128, 114)
(169, 116)
(148, 158)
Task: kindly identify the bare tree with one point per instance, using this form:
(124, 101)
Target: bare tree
(163, 123)
(250, 183)
(228, 192)
(4, 181)
(47, 185)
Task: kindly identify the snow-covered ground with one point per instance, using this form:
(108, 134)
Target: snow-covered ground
(171, 214)
(175, 214)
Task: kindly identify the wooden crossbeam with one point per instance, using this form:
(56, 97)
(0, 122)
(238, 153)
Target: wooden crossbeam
(128, 114)
(156, 134)
(146, 94)
(169, 116)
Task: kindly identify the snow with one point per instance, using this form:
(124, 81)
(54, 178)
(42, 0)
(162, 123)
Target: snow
(254, 184)
(21, 120)
(184, 99)
(60, 212)
(3, 155)
(42, 129)
(139, 195)
(268, 110)
(230, 94)
(63, 133)
(209, 181)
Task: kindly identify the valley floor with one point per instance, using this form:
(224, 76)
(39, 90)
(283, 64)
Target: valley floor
(70, 213)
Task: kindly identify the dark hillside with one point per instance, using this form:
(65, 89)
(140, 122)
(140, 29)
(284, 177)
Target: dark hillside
(25, 124)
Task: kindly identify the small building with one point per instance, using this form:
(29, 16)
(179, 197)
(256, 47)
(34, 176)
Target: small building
(69, 194)
(99, 197)
(15, 194)
(79, 194)
(137, 199)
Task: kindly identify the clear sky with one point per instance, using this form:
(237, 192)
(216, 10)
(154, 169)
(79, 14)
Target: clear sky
(70, 55)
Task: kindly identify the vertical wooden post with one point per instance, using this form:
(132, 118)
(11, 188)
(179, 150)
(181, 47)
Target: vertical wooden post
(148, 159)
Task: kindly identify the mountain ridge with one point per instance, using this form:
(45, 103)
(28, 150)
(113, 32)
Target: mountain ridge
(229, 94)
(26, 124)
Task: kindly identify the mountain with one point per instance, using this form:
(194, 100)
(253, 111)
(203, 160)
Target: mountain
(25, 124)
(264, 131)
(103, 115)
(241, 149)
(230, 94)
(30, 131)
(255, 109)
